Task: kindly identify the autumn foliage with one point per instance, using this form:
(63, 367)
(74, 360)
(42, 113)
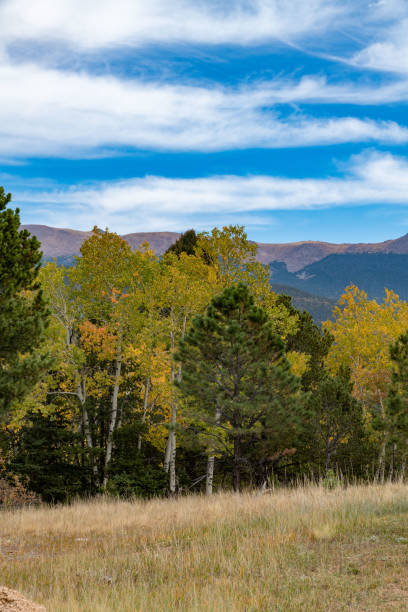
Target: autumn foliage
(135, 399)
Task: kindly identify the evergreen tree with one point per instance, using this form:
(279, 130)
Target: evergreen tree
(335, 413)
(50, 456)
(236, 373)
(23, 313)
(397, 401)
(310, 339)
(186, 243)
(134, 471)
(393, 421)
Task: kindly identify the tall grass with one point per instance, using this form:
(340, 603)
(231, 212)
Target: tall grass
(304, 549)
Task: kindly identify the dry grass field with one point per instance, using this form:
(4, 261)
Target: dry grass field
(302, 549)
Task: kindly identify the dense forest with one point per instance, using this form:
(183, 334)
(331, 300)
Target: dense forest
(130, 374)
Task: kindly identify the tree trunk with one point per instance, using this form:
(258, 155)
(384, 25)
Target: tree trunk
(403, 467)
(88, 438)
(167, 454)
(170, 459)
(211, 461)
(170, 456)
(113, 416)
(237, 465)
(172, 435)
(210, 475)
(380, 473)
(392, 466)
(81, 393)
(172, 450)
(172, 441)
(145, 404)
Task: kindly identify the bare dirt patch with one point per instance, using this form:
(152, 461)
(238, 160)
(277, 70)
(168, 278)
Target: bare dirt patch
(12, 601)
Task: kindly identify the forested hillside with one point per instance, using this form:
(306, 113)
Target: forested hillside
(321, 308)
(149, 375)
(371, 272)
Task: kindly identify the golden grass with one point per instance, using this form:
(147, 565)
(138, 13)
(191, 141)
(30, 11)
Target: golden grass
(302, 549)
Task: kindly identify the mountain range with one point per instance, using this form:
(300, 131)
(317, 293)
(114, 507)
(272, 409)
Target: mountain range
(314, 273)
(57, 242)
(63, 243)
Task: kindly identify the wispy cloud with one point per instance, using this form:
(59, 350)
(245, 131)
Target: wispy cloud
(78, 114)
(91, 25)
(46, 111)
(390, 54)
(158, 203)
(387, 49)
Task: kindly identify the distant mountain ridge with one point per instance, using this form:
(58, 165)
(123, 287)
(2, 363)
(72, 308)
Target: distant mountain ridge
(371, 272)
(297, 255)
(63, 243)
(314, 274)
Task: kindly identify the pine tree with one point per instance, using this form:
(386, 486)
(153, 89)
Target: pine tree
(49, 456)
(393, 422)
(236, 373)
(186, 243)
(310, 340)
(23, 312)
(335, 413)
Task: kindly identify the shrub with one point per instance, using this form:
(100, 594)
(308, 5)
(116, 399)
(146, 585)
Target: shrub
(13, 494)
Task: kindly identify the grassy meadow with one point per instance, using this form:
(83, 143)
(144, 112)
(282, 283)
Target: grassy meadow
(299, 549)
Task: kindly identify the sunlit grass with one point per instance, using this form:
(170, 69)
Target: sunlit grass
(301, 549)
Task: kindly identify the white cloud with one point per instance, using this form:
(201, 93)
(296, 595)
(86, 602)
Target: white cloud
(387, 49)
(158, 203)
(49, 112)
(88, 24)
(389, 54)
(317, 89)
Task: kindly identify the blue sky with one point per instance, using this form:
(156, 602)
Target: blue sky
(286, 116)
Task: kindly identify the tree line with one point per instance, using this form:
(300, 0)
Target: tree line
(133, 374)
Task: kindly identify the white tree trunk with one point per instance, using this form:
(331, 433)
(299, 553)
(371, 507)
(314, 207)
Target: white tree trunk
(81, 393)
(172, 462)
(380, 474)
(210, 475)
(145, 404)
(211, 461)
(113, 416)
(170, 458)
(167, 454)
(172, 441)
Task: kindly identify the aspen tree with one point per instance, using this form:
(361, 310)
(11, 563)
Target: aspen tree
(363, 330)
(186, 289)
